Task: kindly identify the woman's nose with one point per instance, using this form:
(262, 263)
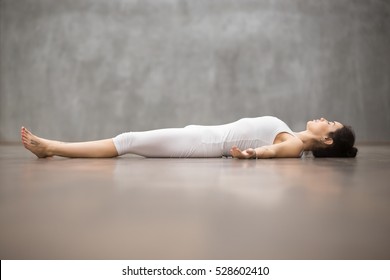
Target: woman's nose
(322, 119)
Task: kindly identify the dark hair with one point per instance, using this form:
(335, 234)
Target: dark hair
(342, 146)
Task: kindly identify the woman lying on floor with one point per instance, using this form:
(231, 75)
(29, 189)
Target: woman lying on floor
(248, 138)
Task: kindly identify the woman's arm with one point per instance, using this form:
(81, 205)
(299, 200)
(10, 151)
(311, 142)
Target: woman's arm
(291, 148)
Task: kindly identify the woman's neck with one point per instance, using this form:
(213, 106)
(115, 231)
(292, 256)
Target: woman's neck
(308, 139)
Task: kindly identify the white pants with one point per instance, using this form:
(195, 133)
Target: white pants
(169, 142)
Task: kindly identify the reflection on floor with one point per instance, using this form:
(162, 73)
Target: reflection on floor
(138, 208)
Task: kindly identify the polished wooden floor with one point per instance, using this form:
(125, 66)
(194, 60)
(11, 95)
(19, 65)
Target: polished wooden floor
(137, 208)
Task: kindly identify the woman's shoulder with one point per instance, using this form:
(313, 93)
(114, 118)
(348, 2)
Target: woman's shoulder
(287, 145)
(296, 145)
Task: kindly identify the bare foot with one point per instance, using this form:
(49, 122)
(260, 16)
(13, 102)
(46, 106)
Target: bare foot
(36, 145)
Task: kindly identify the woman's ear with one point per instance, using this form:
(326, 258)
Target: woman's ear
(327, 140)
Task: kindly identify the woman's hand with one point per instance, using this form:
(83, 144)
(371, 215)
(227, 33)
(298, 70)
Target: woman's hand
(246, 154)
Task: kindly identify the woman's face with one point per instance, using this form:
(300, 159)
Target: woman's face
(322, 127)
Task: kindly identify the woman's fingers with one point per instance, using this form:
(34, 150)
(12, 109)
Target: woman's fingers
(236, 152)
(233, 151)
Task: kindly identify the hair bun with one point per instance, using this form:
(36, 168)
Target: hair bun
(352, 152)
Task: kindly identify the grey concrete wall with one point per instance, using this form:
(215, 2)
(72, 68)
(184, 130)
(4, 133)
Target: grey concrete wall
(87, 69)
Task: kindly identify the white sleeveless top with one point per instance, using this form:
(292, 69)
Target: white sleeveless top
(244, 133)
